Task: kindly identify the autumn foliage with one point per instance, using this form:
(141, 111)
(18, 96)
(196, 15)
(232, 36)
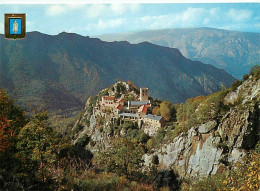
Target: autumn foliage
(11, 118)
(4, 134)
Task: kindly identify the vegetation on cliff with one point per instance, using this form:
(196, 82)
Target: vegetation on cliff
(106, 153)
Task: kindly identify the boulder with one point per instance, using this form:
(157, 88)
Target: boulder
(231, 98)
(207, 127)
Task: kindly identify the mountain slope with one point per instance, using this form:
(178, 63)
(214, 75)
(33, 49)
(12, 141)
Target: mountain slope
(62, 71)
(209, 135)
(236, 52)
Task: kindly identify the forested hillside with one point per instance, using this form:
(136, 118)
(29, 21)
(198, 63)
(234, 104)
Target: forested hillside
(60, 72)
(234, 51)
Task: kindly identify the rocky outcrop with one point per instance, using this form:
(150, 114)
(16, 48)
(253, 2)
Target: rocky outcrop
(248, 91)
(212, 146)
(240, 126)
(207, 127)
(192, 155)
(208, 148)
(204, 151)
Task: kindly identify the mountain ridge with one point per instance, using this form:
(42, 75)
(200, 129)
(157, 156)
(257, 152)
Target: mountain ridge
(62, 71)
(234, 51)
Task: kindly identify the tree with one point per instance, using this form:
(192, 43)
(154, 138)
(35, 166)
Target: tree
(255, 71)
(5, 135)
(156, 110)
(131, 84)
(12, 119)
(123, 157)
(245, 77)
(235, 85)
(36, 142)
(167, 110)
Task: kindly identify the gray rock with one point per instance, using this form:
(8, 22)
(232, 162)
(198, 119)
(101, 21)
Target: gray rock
(207, 127)
(205, 158)
(236, 155)
(231, 98)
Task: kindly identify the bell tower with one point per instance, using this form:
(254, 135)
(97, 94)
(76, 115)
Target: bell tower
(143, 94)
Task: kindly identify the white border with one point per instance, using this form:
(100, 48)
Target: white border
(120, 1)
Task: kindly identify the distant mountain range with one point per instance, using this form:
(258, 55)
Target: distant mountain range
(236, 52)
(60, 72)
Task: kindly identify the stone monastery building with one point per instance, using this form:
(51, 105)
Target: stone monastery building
(137, 110)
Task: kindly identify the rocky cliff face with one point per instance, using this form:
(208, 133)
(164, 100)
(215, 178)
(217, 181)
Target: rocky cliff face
(214, 146)
(94, 128)
(207, 148)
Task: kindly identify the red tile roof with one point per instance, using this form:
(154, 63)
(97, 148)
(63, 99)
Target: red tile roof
(120, 106)
(109, 97)
(143, 108)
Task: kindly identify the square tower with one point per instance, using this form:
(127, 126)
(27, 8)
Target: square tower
(143, 94)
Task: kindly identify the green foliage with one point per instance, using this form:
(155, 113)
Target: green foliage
(210, 183)
(131, 129)
(100, 121)
(155, 160)
(62, 124)
(167, 111)
(245, 77)
(123, 157)
(14, 114)
(12, 119)
(255, 72)
(198, 110)
(91, 181)
(235, 85)
(143, 138)
(212, 107)
(186, 115)
(150, 144)
(155, 102)
(130, 97)
(134, 87)
(224, 146)
(120, 89)
(35, 145)
(155, 141)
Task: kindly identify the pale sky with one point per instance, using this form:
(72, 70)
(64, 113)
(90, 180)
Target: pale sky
(97, 19)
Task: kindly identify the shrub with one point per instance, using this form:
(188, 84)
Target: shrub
(143, 138)
(150, 144)
(245, 77)
(235, 85)
(158, 139)
(167, 111)
(123, 157)
(255, 71)
(155, 160)
(224, 146)
(212, 107)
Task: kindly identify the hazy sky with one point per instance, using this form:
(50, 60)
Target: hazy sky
(96, 19)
